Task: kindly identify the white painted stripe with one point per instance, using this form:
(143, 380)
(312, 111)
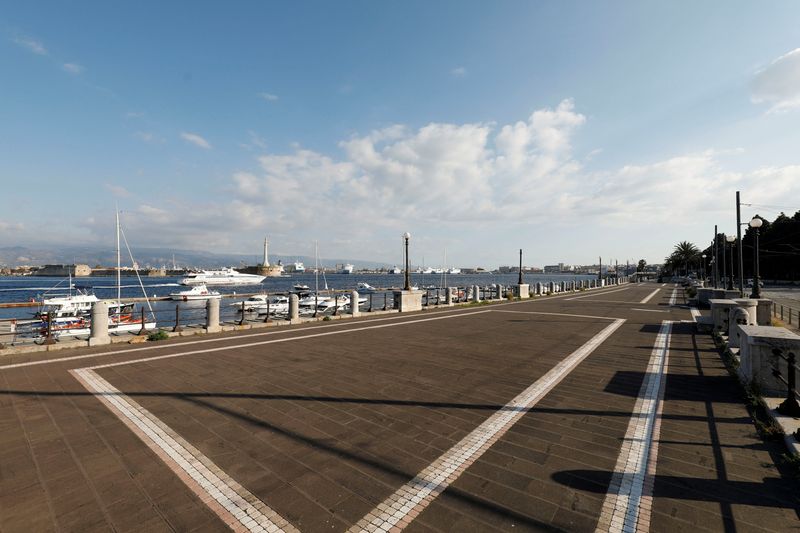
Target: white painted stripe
(674, 298)
(596, 294)
(551, 314)
(237, 506)
(649, 310)
(230, 346)
(695, 313)
(649, 296)
(288, 339)
(278, 331)
(412, 498)
(629, 499)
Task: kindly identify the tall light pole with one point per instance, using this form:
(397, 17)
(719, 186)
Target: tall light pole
(703, 269)
(406, 237)
(756, 225)
(731, 239)
(520, 267)
(724, 261)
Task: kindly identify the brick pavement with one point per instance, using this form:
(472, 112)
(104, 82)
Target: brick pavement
(320, 425)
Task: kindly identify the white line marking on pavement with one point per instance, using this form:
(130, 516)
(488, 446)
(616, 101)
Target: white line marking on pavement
(674, 298)
(551, 314)
(278, 331)
(412, 498)
(649, 296)
(590, 295)
(695, 313)
(629, 500)
(649, 310)
(235, 505)
(288, 339)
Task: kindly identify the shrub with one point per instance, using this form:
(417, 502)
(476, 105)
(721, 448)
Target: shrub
(159, 335)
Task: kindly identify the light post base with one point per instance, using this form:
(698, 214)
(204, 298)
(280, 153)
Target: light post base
(408, 301)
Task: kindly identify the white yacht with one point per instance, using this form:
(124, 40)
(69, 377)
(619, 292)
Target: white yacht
(365, 287)
(396, 270)
(298, 267)
(197, 292)
(454, 271)
(224, 276)
(346, 269)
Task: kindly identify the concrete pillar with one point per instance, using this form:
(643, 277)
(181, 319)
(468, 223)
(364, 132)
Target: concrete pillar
(99, 327)
(739, 316)
(551, 287)
(294, 308)
(498, 290)
(523, 291)
(354, 310)
(476, 293)
(448, 296)
(538, 288)
(212, 315)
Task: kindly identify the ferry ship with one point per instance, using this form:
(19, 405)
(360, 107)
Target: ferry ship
(225, 276)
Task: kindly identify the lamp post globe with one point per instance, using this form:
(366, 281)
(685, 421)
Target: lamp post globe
(731, 239)
(756, 224)
(407, 285)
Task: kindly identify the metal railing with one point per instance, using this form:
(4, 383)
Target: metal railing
(786, 313)
(790, 406)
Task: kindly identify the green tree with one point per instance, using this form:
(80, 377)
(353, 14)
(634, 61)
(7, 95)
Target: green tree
(641, 266)
(684, 254)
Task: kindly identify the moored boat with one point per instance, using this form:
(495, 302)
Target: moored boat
(197, 292)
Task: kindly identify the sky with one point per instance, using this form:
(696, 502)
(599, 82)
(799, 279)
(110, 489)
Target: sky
(572, 130)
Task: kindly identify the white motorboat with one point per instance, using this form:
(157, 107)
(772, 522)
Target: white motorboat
(396, 270)
(346, 269)
(300, 287)
(365, 287)
(251, 303)
(198, 292)
(454, 271)
(225, 276)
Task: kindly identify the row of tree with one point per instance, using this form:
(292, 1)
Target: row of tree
(779, 252)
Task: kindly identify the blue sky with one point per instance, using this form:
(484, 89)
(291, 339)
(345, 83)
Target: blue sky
(571, 129)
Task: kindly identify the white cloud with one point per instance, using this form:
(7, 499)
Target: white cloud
(196, 140)
(778, 83)
(73, 68)
(31, 44)
(149, 137)
(268, 97)
(459, 72)
(9, 227)
(117, 190)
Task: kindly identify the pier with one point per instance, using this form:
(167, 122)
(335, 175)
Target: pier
(583, 410)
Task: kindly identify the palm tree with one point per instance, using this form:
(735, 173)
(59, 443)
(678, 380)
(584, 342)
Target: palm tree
(684, 253)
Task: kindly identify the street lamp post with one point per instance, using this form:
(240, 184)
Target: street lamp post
(703, 269)
(520, 267)
(406, 237)
(731, 239)
(756, 225)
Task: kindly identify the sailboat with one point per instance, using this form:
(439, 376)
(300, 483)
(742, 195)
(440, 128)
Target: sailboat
(69, 316)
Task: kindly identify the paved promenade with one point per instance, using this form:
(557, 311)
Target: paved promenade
(598, 410)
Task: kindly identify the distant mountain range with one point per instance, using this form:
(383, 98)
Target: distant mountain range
(153, 257)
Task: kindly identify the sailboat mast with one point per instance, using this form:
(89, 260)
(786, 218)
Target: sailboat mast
(316, 266)
(119, 261)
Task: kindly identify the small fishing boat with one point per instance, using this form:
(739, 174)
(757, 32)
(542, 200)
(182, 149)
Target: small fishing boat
(300, 287)
(198, 292)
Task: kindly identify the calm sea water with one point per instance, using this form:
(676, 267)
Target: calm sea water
(27, 288)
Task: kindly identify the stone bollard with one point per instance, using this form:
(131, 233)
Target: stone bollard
(212, 315)
(499, 290)
(523, 291)
(551, 287)
(738, 316)
(537, 289)
(294, 309)
(99, 327)
(764, 312)
(448, 296)
(476, 293)
(354, 310)
(751, 306)
(563, 286)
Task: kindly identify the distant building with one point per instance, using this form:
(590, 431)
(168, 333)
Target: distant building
(552, 269)
(63, 270)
